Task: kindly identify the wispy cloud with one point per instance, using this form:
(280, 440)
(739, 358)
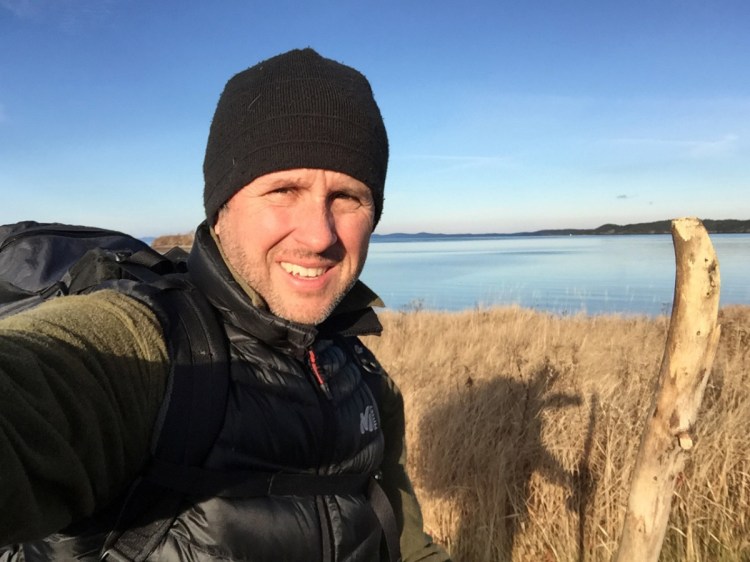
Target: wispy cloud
(20, 8)
(696, 149)
(464, 161)
(69, 15)
(708, 149)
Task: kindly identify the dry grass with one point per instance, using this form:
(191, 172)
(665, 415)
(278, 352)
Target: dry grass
(523, 428)
(167, 242)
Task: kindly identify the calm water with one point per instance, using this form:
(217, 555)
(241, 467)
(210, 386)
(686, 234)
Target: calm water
(565, 274)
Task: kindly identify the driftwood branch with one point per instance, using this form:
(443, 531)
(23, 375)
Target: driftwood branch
(690, 349)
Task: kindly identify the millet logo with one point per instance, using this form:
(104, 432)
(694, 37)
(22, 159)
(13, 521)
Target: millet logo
(367, 421)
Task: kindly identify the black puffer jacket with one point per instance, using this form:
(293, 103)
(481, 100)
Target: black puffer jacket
(298, 403)
(297, 399)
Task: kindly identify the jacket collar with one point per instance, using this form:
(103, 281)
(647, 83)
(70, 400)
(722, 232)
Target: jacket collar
(245, 310)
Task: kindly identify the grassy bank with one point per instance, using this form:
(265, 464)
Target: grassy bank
(523, 427)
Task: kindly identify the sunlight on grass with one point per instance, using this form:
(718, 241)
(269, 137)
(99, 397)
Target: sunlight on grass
(523, 428)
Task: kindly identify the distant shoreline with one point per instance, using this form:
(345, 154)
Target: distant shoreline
(728, 226)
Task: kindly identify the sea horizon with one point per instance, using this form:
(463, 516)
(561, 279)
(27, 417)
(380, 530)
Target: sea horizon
(593, 274)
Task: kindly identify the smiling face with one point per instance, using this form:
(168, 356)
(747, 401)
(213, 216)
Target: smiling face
(299, 238)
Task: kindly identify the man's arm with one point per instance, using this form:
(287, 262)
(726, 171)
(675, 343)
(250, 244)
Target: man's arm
(81, 382)
(416, 545)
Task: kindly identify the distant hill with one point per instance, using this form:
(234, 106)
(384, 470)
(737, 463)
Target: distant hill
(728, 226)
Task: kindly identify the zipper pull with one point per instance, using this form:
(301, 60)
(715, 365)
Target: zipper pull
(322, 384)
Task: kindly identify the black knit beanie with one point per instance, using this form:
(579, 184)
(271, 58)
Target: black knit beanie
(295, 110)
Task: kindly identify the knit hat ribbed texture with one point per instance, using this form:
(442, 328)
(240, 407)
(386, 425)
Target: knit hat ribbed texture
(295, 110)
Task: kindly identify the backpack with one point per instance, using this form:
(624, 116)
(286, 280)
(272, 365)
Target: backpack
(41, 261)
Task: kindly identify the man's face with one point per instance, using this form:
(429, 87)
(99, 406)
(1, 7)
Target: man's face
(299, 238)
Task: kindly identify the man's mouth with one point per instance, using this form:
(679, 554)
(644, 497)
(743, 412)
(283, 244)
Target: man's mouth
(299, 271)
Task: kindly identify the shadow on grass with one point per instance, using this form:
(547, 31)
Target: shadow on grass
(486, 467)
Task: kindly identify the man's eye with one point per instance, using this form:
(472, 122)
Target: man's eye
(280, 191)
(346, 200)
(347, 196)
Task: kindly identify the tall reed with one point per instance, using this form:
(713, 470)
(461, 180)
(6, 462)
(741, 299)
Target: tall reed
(523, 427)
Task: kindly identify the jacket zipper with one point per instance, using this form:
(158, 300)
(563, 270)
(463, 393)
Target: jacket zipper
(322, 384)
(329, 552)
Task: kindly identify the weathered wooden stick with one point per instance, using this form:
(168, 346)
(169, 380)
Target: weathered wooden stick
(690, 349)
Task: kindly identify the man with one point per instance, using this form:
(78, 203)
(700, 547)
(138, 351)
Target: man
(294, 173)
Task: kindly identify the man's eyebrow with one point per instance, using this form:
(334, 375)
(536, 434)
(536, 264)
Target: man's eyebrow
(291, 180)
(352, 185)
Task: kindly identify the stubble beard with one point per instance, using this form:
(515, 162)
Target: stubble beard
(248, 270)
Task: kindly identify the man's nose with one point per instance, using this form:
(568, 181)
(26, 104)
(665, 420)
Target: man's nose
(316, 226)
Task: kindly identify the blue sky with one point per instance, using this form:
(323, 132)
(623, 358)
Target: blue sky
(503, 116)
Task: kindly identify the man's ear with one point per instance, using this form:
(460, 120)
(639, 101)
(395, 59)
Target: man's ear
(217, 220)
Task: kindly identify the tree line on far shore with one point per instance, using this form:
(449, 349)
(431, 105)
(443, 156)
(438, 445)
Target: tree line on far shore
(723, 226)
(726, 226)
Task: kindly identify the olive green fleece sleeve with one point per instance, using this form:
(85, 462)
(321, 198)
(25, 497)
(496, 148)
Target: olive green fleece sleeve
(416, 545)
(81, 383)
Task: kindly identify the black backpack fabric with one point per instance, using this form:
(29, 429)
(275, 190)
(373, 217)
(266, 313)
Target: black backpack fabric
(39, 261)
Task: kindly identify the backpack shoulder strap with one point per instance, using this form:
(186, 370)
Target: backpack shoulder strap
(190, 419)
(192, 413)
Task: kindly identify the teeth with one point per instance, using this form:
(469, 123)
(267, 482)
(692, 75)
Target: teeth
(299, 271)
